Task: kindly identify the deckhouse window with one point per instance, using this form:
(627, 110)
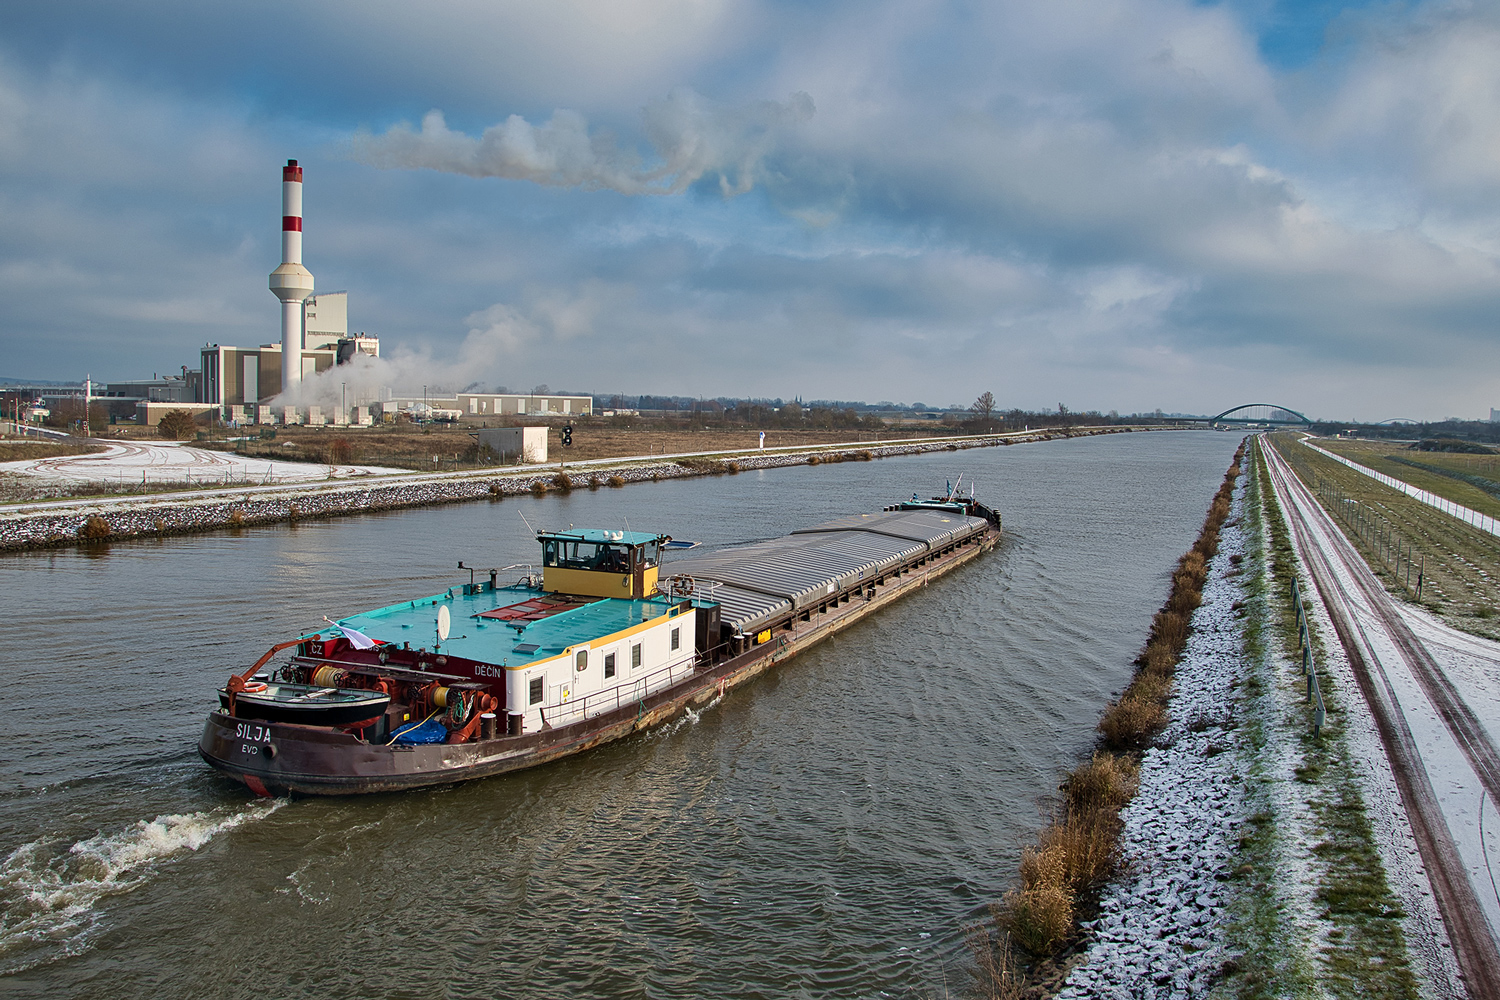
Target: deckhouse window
(676, 638)
(635, 656)
(609, 664)
(581, 661)
(536, 690)
(568, 554)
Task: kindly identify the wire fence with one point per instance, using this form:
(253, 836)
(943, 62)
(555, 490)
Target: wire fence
(1381, 539)
(1469, 516)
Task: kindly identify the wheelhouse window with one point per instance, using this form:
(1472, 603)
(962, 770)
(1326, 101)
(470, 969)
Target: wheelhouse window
(609, 664)
(536, 690)
(595, 556)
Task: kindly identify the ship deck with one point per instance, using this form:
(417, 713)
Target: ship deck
(478, 633)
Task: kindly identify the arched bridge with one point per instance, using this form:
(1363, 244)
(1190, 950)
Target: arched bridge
(1260, 413)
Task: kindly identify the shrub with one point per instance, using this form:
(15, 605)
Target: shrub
(563, 481)
(593, 482)
(1107, 781)
(813, 460)
(94, 529)
(615, 482)
(495, 491)
(340, 451)
(1039, 915)
(1159, 659)
(538, 487)
(1086, 844)
(997, 974)
(236, 518)
(176, 425)
(1131, 722)
(732, 468)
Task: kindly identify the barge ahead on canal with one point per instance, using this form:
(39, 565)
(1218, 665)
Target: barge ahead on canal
(487, 678)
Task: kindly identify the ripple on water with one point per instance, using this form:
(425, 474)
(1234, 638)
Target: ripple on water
(797, 839)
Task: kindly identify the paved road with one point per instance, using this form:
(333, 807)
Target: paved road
(1428, 689)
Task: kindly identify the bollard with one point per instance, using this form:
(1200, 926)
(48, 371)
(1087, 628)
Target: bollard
(489, 726)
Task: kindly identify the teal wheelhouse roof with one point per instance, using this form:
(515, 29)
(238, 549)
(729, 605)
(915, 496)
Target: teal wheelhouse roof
(603, 537)
(511, 644)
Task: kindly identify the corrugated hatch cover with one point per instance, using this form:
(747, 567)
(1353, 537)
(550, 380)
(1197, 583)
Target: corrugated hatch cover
(757, 583)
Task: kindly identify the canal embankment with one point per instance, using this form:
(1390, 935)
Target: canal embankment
(98, 519)
(1246, 864)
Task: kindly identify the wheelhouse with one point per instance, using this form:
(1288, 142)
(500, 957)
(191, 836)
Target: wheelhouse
(596, 563)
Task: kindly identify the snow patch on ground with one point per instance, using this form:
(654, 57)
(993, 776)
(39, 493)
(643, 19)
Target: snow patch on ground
(168, 462)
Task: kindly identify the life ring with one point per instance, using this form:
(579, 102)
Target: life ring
(683, 585)
(254, 687)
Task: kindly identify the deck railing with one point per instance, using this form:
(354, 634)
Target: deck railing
(630, 691)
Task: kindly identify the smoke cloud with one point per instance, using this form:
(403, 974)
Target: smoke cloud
(502, 341)
(691, 138)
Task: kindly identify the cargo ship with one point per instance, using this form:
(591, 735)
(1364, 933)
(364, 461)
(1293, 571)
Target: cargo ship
(604, 641)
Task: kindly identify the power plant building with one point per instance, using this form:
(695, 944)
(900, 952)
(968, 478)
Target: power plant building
(240, 376)
(238, 383)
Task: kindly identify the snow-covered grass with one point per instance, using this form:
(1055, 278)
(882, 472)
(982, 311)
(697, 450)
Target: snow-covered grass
(1249, 865)
(1314, 913)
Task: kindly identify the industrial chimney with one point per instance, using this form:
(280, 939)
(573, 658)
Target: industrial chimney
(291, 282)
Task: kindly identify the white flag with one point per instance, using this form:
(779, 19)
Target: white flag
(356, 638)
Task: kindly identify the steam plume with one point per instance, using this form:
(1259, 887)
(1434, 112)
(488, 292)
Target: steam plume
(690, 136)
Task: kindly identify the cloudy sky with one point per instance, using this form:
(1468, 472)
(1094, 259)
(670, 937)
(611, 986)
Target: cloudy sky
(1113, 204)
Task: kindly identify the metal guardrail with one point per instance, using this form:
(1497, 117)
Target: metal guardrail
(1309, 669)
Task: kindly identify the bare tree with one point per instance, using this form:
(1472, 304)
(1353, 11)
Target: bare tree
(984, 406)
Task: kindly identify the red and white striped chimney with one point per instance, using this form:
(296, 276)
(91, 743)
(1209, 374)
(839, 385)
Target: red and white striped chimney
(291, 282)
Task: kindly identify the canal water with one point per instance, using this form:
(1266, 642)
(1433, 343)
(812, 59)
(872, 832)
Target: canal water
(827, 831)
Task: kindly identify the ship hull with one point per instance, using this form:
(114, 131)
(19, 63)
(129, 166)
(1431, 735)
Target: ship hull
(274, 758)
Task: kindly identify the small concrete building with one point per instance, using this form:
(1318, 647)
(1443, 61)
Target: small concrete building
(515, 444)
(149, 414)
